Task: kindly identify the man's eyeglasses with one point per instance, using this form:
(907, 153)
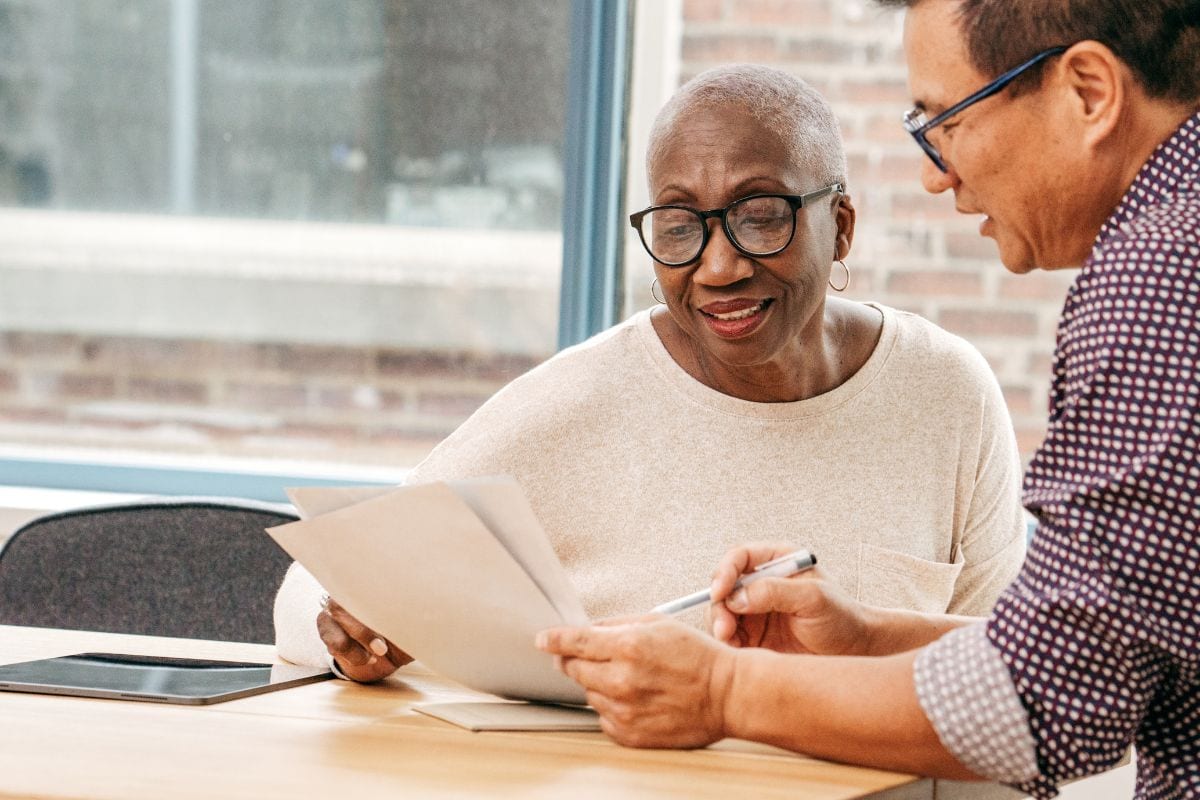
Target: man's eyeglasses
(758, 225)
(917, 125)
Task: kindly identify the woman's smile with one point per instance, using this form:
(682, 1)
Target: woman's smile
(733, 319)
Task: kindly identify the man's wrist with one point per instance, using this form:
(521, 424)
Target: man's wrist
(744, 691)
(891, 631)
(725, 676)
(881, 626)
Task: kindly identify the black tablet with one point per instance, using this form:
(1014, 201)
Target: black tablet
(160, 680)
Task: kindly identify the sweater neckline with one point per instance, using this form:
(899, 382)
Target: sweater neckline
(696, 392)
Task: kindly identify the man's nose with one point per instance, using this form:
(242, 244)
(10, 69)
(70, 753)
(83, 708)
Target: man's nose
(934, 180)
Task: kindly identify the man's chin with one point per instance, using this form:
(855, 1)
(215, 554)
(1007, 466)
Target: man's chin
(1018, 267)
(1017, 260)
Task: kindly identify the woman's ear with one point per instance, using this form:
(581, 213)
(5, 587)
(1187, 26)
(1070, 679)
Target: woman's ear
(846, 216)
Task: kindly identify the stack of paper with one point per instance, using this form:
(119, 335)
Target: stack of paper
(459, 575)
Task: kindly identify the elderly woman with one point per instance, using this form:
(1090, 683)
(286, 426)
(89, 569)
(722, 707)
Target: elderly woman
(749, 403)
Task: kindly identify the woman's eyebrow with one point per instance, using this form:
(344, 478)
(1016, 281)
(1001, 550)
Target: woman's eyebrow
(740, 189)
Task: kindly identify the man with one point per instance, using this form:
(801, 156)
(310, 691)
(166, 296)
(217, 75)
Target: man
(1074, 128)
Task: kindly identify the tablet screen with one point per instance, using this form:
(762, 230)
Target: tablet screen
(170, 680)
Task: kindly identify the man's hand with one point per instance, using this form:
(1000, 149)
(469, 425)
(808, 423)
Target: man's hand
(655, 682)
(807, 613)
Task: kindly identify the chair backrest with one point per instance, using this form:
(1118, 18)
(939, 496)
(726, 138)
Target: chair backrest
(196, 567)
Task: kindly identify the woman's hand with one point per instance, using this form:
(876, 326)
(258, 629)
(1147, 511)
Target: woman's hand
(655, 682)
(807, 613)
(361, 654)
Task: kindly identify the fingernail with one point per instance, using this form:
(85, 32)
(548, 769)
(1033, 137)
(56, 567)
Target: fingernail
(737, 600)
(539, 641)
(372, 660)
(378, 647)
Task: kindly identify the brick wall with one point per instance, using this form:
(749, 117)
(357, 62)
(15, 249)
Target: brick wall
(352, 404)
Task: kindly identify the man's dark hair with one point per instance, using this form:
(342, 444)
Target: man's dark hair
(1158, 39)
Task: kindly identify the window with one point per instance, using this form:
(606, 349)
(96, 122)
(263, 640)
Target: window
(298, 229)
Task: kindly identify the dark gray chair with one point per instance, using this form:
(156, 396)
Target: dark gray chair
(194, 567)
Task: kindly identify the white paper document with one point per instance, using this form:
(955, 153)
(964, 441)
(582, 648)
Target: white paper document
(459, 575)
(499, 716)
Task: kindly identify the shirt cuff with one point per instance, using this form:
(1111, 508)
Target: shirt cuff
(967, 693)
(336, 670)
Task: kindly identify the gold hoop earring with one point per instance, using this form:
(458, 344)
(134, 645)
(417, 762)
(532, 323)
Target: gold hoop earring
(654, 283)
(846, 282)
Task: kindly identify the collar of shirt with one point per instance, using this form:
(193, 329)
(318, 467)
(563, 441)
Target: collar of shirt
(1173, 165)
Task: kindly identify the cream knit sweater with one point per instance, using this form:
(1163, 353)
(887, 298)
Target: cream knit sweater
(904, 480)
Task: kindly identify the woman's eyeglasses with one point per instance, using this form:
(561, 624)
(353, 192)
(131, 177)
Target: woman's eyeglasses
(758, 225)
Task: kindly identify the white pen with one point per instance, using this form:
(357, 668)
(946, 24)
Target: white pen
(780, 567)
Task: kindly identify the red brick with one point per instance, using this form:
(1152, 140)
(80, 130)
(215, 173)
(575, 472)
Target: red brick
(1050, 287)
(306, 359)
(39, 415)
(265, 395)
(860, 166)
(1018, 399)
(703, 10)
(976, 322)
(871, 16)
(108, 422)
(904, 241)
(450, 404)
(425, 363)
(944, 283)
(75, 385)
(23, 344)
(862, 284)
(314, 430)
(886, 128)
(972, 246)
(921, 205)
(819, 51)
(736, 47)
(347, 397)
(403, 400)
(166, 390)
(125, 352)
(879, 90)
(1040, 365)
(900, 171)
(996, 361)
(795, 13)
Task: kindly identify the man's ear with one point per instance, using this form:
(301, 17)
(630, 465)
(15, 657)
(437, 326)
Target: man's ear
(1095, 82)
(846, 216)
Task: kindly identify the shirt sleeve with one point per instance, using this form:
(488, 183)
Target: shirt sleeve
(966, 692)
(296, 608)
(992, 543)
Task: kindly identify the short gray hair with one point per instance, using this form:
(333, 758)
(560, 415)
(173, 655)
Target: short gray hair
(784, 103)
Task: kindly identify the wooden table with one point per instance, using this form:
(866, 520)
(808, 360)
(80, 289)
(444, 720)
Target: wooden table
(338, 739)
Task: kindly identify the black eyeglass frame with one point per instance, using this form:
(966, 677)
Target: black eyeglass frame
(919, 130)
(796, 201)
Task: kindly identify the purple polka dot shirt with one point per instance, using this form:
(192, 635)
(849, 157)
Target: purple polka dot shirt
(1096, 645)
